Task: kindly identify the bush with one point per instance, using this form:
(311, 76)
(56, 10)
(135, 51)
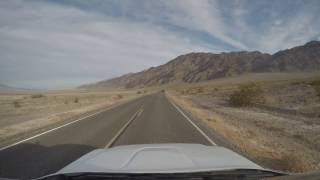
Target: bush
(76, 100)
(138, 92)
(316, 85)
(317, 90)
(200, 89)
(37, 96)
(190, 91)
(247, 95)
(119, 96)
(17, 104)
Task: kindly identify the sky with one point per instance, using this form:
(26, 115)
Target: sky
(56, 44)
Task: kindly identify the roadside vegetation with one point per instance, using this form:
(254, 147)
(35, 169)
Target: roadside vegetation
(20, 114)
(34, 96)
(194, 90)
(278, 129)
(17, 104)
(247, 95)
(316, 85)
(119, 96)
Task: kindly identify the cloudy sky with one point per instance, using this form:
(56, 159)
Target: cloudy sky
(60, 44)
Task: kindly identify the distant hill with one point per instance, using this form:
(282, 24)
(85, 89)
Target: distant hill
(195, 67)
(8, 89)
(4, 87)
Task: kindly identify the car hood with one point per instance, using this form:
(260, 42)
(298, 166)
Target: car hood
(159, 158)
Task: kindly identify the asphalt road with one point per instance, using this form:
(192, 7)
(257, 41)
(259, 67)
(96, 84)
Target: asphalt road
(149, 119)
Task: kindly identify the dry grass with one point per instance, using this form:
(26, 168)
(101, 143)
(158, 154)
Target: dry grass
(24, 113)
(269, 144)
(316, 85)
(76, 100)
(118, 96)
(284, 135)
(37, 96)
(247, 95)
(17, 104)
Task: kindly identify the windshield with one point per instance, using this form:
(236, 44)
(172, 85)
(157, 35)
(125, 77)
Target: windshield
(230, 88)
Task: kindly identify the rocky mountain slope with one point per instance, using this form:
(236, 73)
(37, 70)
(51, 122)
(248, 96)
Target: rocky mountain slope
(195, 67)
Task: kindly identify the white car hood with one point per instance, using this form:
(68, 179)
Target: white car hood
(159, 158)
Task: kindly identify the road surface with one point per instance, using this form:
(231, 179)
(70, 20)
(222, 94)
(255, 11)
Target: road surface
(149, 119)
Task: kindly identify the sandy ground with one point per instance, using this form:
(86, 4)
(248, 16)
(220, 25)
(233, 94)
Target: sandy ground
(282, 134)
(21, 115)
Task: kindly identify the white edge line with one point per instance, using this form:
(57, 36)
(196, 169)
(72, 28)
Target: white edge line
(54, 129)
(136, 114)
(197, 127)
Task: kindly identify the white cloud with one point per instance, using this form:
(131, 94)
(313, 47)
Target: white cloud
(280, 30)
(52, 42)
(46, 44)
(240, 27)
(296, 31)
(204, 16)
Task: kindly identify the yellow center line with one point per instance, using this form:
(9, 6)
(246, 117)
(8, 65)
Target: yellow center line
(118, 134)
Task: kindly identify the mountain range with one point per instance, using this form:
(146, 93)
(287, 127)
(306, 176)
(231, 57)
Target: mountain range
(8, 89)
(196, 67)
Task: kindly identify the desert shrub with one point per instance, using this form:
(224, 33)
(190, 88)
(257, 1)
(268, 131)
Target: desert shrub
(37, 96)
(316, 82)
(66, 102)
(17, 104)
(76, 100)
(191, 91)
(138, 92)
(247, 95)
(317, 90)
(200, 89)
(195, 90)
(214, 90)
(316, 85)
(296, 83)
(119, 96)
